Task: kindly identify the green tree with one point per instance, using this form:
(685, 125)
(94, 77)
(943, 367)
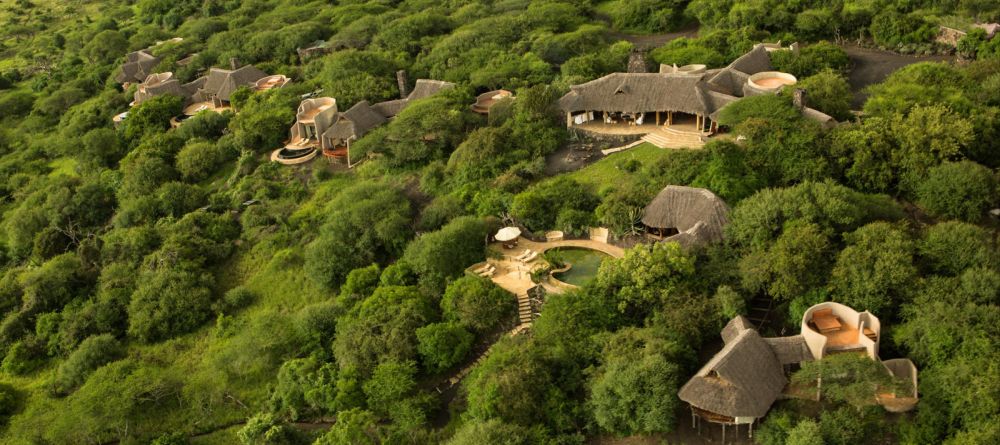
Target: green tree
(169, 302)
(951, 247)
(647, 275)
(538, 206)
(151, 116)
(368, 223)
(797, 262)
(353, 427)
(443, 345)
(106, 46)
(961, 190)
(477, 303)
(382, 327)
(854, 379)
(197, 160)
(829, 92)
(391, 382)
(444, 254)
(875, 272)
(635, 389)
(495, 432)
(806, 432)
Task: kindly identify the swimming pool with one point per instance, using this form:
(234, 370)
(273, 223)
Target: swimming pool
(584, 264)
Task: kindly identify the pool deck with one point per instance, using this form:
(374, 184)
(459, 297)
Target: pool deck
(515, 276)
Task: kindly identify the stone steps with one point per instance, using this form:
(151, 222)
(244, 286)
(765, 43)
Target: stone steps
(666, 137)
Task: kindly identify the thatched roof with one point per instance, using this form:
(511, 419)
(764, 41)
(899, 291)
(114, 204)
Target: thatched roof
(732, 79)
(742, 380)
(637, 93)
(735, 326)
(138, 65)
(424, 88)
(355, 122)
(172, 86)
(694, 212)
(427, 87)
(790, 350)
(753, 62)
(223, 83)
(390, 108)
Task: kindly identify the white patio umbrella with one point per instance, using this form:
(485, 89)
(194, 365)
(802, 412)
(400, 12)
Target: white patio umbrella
(507, 234)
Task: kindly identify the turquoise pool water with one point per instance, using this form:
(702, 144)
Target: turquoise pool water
(585, 263)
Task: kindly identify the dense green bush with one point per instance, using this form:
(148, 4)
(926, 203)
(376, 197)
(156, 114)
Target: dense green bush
(828, 92)
(811, 59)
(443, 345)
(92, 353)
(961, 190)
(477, 303)
(444, 254)
(539, 206)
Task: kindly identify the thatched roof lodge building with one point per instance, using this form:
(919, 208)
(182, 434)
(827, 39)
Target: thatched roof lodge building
(739, 384)
(321, 128)
(688, 98)
(138, 65)
(687, 215)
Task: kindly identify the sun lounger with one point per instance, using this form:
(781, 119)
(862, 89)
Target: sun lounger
(530, 258)
(481, 269)
(523, 255)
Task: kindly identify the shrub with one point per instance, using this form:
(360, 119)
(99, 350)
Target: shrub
(234, 299)
(266, 429)
(197, 160)
(961, 190)
(952, 247)
(22, 357)
(92, 353)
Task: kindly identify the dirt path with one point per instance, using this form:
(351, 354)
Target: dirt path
(871, 66)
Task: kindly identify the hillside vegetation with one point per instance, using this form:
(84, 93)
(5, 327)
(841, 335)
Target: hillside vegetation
(173, 286)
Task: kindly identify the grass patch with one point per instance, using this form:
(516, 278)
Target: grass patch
(63, 167)
(618, 168)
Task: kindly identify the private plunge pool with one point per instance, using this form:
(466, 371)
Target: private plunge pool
(583, 264)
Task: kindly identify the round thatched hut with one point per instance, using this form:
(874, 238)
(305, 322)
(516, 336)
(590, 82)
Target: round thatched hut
(690, 216)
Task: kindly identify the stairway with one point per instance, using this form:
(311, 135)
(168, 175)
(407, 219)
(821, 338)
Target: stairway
(523, 308)
(666, 137)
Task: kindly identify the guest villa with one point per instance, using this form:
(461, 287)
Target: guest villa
(320, 128)
(682, 100)
(739, 384)
(688, 216)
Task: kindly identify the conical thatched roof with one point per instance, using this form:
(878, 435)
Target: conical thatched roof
(696, 213)
(742, 380)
